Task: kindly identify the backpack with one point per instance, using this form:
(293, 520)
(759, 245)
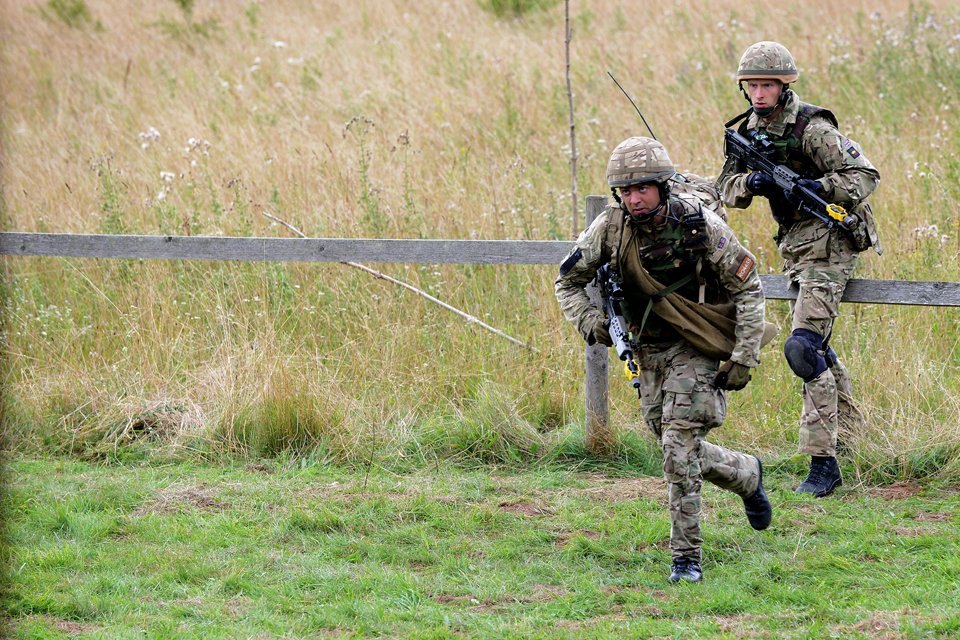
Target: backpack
(705, 190)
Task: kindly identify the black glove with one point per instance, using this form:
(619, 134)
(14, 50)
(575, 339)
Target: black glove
(599, 334)
(812, 185)
(732, 376)
(761, 184)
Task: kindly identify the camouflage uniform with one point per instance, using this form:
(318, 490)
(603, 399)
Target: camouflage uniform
(818, 259)
(679, 401)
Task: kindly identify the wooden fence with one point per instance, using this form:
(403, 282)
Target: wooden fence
(433, 252)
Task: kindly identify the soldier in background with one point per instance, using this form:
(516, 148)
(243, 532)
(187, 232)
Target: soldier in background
(817, 258)
(663, 233)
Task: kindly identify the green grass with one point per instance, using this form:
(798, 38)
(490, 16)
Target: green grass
(281, 549)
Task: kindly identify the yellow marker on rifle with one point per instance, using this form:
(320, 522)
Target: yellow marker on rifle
(836, 212)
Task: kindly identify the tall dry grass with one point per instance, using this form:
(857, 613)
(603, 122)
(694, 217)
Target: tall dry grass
(425, 119)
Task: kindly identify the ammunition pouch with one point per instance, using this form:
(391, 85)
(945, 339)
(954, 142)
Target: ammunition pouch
(863, 233)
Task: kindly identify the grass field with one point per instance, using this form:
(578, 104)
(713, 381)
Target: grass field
(436, 119)
(281, 549)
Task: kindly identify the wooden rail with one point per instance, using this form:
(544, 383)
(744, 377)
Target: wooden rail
(284, 249)
(69, 245)
(941, 294)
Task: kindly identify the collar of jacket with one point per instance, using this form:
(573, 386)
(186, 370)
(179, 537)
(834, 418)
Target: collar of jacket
(784, 120)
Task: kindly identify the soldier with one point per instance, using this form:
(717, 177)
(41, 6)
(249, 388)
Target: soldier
(662, 235)
(817, 258)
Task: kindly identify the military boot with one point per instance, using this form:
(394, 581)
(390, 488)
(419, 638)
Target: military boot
(686, 569)
(758, 507)
(823, 478)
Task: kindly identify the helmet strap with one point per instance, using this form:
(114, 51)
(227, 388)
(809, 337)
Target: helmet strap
(664, 189)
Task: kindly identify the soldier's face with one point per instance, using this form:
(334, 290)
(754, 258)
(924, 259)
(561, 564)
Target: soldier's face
(640, 199)
(764, 93)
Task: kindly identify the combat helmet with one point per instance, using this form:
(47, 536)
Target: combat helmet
(767, 61)
(638, 160)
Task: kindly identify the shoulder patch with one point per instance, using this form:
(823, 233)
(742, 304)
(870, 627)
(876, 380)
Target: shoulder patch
(746, 266)
(851, 149)
(720, 245)
(573, 259)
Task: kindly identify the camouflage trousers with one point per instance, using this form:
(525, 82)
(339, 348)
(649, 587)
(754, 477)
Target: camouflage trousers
(820, 261)
(681, 405)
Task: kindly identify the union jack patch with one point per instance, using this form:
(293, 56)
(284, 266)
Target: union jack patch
(722, 242)
(852, 150)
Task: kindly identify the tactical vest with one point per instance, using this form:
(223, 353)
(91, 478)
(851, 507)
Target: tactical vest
(788, 152)
(669, 256)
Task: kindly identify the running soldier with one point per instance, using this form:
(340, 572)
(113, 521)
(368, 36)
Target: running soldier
(664, 236)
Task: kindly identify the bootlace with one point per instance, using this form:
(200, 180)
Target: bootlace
(680, 565)
(817, 473)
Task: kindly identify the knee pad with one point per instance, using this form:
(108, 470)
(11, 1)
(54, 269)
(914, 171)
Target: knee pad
(803, 353)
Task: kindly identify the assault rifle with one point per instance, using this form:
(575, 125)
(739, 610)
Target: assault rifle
(758, 156)
(613, 297)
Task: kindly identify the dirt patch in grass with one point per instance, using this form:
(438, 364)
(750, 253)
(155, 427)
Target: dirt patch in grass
(575, 625)
(353, 492)
(896, 491)
(176, 499)
(626, 489)
(882, 625)
(915, 532)
(547, 592)
(446, 599)
(524, 508)
(528, 502)
(885, 625)
(540, 593)
(63, 626)
(938, 516)
(742, 625)
(260, 468)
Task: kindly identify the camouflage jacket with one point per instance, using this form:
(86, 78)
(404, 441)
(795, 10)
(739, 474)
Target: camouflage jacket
(725, 264)
(836, 162)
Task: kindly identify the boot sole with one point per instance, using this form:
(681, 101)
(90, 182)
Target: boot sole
(822, 494)
(760, 486)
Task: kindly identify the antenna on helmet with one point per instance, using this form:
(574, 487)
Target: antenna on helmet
(634, 106)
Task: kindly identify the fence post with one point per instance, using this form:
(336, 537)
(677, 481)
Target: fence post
(596, 359)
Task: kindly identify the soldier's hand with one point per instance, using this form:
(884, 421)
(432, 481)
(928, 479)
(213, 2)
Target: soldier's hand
(732, 376)
(813, 186)
(761, 184)
(600, 334)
